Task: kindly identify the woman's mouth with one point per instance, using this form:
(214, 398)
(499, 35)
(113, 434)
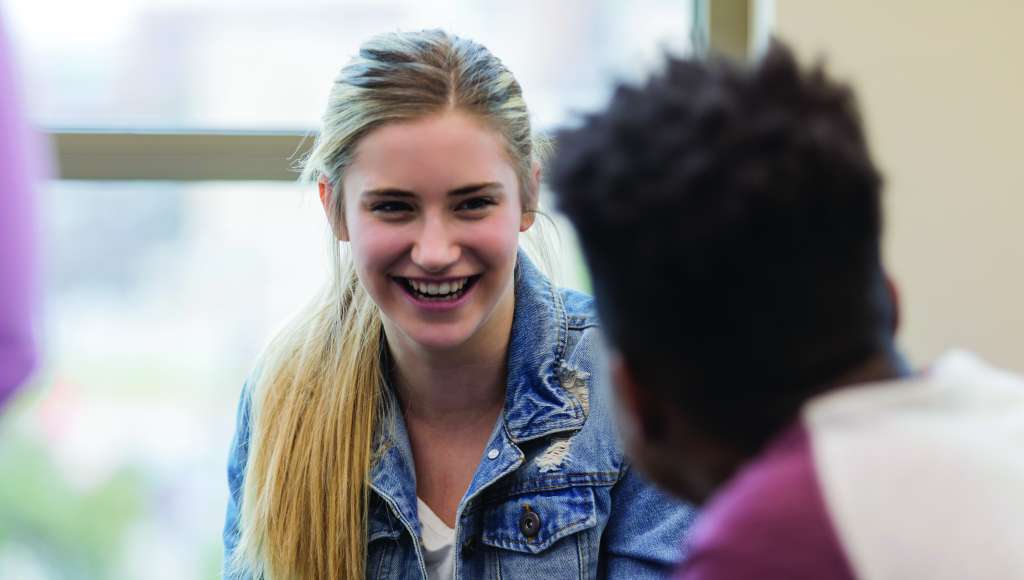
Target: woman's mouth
(448, 290)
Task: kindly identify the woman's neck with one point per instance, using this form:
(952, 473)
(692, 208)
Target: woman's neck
(453, 385)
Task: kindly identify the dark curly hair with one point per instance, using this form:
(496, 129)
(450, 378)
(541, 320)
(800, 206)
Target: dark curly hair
(730, 217)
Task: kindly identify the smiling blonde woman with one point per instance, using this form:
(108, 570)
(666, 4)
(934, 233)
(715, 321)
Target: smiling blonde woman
(435, 413)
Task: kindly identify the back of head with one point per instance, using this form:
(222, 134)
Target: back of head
(730, 217)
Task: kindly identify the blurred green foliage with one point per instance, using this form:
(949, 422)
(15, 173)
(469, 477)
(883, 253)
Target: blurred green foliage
(75, 533)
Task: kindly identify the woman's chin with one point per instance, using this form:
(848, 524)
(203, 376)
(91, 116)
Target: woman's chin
(435, 336)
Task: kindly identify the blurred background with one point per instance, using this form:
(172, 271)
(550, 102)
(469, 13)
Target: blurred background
(175, 239)
(170, 257)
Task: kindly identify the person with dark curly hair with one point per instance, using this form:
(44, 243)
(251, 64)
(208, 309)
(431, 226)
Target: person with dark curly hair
(731, 218)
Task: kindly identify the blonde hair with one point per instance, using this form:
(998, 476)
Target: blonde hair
(320, 399)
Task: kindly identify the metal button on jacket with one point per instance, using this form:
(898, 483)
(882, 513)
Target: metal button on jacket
(529, 522)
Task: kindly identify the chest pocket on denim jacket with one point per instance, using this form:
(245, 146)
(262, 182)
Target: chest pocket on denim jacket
(542, 534)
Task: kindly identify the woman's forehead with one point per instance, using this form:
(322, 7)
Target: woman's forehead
(440, 152)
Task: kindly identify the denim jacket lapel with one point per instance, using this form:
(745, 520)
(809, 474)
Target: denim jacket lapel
(536, 403)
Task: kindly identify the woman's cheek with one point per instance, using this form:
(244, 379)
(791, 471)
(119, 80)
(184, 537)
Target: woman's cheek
(373, 242)
(371, 260)
(499, 236)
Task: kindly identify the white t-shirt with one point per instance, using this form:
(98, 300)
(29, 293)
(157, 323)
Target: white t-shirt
(438, 542)
(924, 478)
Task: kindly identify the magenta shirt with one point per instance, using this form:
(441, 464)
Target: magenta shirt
(17, 352)
(768, 522)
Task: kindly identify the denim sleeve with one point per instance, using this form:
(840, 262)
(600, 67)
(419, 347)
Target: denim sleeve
(645, 532)
(237, 460)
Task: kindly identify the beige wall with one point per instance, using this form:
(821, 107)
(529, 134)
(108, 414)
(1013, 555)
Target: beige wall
(941, 84)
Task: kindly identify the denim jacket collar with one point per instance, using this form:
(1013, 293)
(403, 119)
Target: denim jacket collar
(536, 404)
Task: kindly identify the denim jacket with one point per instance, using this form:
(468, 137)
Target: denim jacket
(552, 497)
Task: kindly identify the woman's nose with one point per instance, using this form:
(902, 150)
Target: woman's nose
(436, 248)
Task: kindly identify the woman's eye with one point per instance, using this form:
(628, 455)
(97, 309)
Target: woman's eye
(476, 204)
(390, 207)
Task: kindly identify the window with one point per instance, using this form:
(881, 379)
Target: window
(267, 64)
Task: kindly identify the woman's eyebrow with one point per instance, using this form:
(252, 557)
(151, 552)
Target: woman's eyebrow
(475, 188)
(460, 191)
(388, 192)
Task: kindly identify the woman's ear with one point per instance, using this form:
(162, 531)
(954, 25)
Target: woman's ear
(326, 200)
(531, 200)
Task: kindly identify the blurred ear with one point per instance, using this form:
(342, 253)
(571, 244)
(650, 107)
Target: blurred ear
(530, 202)
(326, 200)
(663, 442)
(643, 410)
(894, 296)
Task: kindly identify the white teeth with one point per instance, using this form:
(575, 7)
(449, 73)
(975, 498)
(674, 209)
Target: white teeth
(444, 288)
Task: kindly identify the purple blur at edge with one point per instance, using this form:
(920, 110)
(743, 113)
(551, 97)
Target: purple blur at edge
(18, 165)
